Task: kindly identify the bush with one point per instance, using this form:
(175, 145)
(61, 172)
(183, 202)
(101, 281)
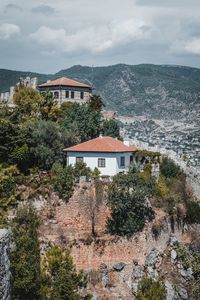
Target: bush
(60, 280)
(193, 212)
(169, 169)
(63, 180)
(127, 200)
(151, 290)
(81, 169)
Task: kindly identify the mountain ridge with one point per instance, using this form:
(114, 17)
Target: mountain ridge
(159, 91)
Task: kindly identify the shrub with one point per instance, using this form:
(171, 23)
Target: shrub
(63, 180)
(81, 169)
(150, 289)
(169, 169)
(127, 200)
(193, 212)
(60, 280)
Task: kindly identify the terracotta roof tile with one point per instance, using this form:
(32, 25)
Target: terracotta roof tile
(64, 81)
(102, 144)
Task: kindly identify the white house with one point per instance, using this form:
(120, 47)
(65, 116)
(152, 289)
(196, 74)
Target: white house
(109, 155)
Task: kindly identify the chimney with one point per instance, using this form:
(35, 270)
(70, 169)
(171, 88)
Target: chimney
(127, 143)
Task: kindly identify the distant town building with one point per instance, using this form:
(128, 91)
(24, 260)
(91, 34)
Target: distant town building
(65, 89)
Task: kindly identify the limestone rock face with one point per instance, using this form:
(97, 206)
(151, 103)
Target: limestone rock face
(5, 274)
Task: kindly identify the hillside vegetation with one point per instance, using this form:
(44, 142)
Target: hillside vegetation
(159, 91)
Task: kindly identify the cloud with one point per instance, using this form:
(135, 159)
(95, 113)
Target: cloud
(43, 9)
(169, 3)
(12, 7)
(8, 30)
(94, 39)
(190, 46)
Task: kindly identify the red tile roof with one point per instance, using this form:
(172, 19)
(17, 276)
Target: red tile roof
(64, 81)
(102, 144)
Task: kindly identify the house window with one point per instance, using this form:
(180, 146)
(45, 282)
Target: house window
(72, 94)
(79, 159)
(56, 95)
(67, 94)
(131, 159)
(82, 95)
(122, 161)
(101, 162)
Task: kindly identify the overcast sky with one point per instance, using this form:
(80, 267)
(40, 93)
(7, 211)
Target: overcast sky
(49, 35)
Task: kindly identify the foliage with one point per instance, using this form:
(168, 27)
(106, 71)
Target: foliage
(81, 169)
(95, 103)
(48, 105)
(27, 101)
(45, 142)
(150, 289)
(83, 121)
(169, 169)
(8, 181)
(161, 188)
(127, 200)
(25, 259)
(12, 137)
(63, 180)
(60, 280)
(146, 153)
(111, 128)
(193, 212)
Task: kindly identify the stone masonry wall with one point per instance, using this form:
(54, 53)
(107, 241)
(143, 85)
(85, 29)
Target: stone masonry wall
(5, 274)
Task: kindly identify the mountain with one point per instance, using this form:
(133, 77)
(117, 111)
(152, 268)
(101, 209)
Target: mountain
(159, 91)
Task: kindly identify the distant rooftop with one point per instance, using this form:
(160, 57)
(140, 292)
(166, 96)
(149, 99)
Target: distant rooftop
(64, 81)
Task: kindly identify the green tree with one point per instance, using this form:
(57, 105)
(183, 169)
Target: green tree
(45, 143)
(11, 136)
(25, 259)
(47, 105)
(63, 180)
(60, 280)
(127, 200)
(86, 121)
(27, 101)
(111, 128)
(151, 290)
(96, 103)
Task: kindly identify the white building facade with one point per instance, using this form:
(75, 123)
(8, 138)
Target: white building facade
(109, 155)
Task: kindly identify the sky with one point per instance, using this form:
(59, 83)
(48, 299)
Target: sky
(47, 35)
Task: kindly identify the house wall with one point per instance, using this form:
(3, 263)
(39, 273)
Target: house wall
(91, 159)
(62, 94)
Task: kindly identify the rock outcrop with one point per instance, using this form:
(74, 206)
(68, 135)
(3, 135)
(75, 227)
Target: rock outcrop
(5, 274)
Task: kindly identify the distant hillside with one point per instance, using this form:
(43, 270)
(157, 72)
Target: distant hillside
(158, 91)
(10, 78)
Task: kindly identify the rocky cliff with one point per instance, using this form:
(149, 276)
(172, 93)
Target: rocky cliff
(116, 265)
(5, 274)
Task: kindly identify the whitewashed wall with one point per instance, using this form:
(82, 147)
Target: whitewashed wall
(112, 161)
